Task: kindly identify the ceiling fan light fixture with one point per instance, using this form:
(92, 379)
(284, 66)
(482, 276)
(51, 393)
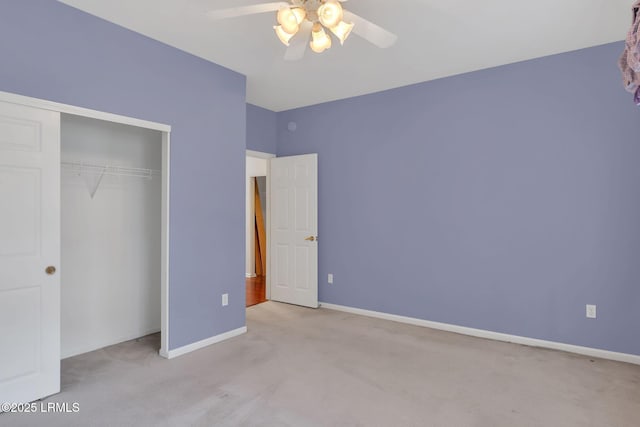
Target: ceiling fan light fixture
(312, 22)
(283, 35)
(330, 13)
(288, 20)
(342, 31)
(300, 14)
(320, 40)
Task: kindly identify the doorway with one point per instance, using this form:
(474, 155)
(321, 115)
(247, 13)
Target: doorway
(257, 226)
(288, 271)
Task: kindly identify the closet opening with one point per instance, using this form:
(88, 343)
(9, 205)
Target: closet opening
(112, 242)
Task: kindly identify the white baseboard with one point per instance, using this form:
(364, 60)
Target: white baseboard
(201, 344)
(497, 336)
(106, 343)
(250, 275)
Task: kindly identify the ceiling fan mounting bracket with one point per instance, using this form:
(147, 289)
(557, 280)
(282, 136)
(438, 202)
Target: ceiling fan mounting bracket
(311, 6)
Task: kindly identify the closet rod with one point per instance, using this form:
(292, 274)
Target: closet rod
(105, 169)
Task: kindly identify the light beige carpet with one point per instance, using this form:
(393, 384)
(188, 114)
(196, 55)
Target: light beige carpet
(303, 367)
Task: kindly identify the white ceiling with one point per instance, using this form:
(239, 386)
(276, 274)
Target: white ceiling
(437, 38)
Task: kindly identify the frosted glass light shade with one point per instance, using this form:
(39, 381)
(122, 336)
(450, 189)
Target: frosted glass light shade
(288, 20)
(330, 13)
(320, 40)
(342, 31)
(283, 35)
(316, 48)
(300, 14)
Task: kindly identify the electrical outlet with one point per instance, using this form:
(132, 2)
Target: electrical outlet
(591, 311)
(330, 278)
(225, 300)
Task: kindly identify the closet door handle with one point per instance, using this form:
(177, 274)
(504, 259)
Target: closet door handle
(51, 270)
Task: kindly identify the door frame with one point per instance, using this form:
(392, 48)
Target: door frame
(12, 98)
(266, 156)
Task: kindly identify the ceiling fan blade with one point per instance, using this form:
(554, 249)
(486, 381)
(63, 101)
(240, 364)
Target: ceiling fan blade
(234, 12)
(370, 31)
(299, 42)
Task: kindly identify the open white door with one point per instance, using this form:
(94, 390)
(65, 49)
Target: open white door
(293, 255)
(29, 253)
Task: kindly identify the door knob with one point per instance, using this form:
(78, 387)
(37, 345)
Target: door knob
(311, 238)
(51, 270)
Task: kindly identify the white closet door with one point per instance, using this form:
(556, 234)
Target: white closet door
(29, 253)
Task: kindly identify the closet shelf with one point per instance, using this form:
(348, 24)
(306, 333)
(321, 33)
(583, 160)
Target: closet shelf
(82, 168)
(100, 171)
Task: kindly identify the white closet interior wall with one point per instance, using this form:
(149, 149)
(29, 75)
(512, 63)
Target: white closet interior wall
(111, 243)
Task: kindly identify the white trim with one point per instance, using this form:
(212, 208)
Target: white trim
(250, 275)
(480, 333)
(260, 154)
(267, 282)
(204, 343)
(164, 275)
(13, 98)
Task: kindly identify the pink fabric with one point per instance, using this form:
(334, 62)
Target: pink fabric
(629, 62)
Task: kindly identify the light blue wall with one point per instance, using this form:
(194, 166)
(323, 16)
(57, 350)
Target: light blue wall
(261, 129)
(58, 53)
(505, 199)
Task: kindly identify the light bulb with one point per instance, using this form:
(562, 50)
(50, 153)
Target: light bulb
(320, 40)
(342, 31)
(330, 13)
(288, 20)
(300, 14)
(283, 35)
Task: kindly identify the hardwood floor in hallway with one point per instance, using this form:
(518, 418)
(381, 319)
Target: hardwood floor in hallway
(256, 290)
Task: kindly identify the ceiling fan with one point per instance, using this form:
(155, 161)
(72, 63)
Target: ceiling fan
(310, 22)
